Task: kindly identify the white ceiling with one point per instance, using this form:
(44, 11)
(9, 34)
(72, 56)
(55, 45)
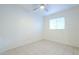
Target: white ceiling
(52, 8)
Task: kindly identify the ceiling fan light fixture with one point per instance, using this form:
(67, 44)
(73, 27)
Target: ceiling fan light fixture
(42, 7)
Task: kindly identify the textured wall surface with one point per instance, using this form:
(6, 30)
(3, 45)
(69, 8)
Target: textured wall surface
(42, 47)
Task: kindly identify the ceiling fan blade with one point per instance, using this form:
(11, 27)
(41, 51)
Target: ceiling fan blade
(35, 9)
(41, 8)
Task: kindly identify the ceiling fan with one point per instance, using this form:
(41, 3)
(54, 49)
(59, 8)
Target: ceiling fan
(41, 7)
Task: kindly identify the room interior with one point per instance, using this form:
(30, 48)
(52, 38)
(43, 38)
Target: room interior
(39, 29)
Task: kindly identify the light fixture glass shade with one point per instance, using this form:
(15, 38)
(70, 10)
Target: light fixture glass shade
(42, 7)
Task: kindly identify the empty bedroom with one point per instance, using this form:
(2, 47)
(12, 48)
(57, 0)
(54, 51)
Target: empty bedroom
(39, 29)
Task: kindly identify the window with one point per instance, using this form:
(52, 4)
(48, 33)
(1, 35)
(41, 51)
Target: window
(57, 23)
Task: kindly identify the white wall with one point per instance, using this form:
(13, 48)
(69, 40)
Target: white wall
(43, 47)
(70, 35)
(18, 27)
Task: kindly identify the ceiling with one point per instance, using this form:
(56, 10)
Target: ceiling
(52, 8)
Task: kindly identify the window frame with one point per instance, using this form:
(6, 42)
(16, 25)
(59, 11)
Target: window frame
(56, 23)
